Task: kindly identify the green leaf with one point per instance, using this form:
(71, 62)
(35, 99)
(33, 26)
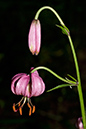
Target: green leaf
(70, 81)
(64, 29)
(72, 77)
(60, 86)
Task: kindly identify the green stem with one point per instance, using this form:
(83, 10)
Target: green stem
(79, 81)
(53, 73)
(47, 7)
(75, 61)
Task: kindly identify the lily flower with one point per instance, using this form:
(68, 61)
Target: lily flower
(27, 86)
(79, 123)
(34, 37)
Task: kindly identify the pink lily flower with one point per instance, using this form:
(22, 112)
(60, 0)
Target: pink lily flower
(79, 123)
(34, 37)
(27, 86)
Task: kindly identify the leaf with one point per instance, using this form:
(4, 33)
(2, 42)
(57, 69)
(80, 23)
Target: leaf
(72, 77)
(70, 81)
(60, 86)
(64, 29)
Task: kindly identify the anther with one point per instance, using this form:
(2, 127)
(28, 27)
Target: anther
(20, 109)
(30, 109)
(33, 109)
(14, 108)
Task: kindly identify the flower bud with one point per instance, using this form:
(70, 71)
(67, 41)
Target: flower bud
(34, 37)
(79, 123)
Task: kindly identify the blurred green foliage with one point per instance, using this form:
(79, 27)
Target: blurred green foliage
(57, 109)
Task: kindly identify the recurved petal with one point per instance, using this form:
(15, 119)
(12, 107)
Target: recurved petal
(38, 86)
(18, 75)
(21, 86)
(13, 83)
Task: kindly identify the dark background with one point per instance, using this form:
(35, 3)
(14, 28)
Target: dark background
(57, 109)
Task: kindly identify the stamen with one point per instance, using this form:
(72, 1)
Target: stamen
(20, 109)
(33, 109)
(19, 101)
(30, 109)
(30, 105)
(19, 105)
(14, 109)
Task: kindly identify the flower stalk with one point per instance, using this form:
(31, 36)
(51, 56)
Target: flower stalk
(47, 7)
(66, 31)
(33, 85)
(79, 81)
(53, 73)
